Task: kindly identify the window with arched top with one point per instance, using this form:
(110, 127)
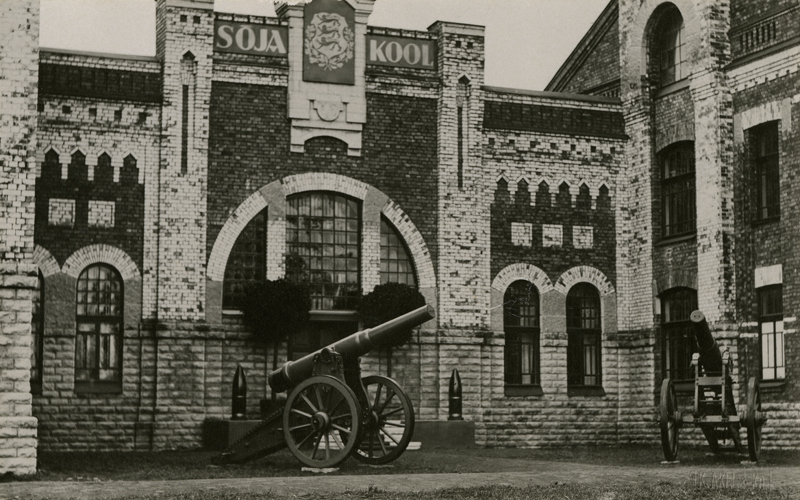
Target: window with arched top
(99, 318)
(584, 336)
(521, 328)
(247, 262)
(396, 263)
(677, 336)
(669, 47)
(323, 247)
(37, 335)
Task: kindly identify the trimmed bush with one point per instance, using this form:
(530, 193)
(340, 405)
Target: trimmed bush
(276, 309)
(388, 301)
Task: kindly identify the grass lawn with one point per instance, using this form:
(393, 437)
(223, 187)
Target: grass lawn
(197, 464)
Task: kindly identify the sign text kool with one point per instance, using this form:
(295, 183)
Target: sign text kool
(404, 52)
(249, 38)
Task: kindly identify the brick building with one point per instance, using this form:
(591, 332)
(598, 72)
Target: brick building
(561, 236)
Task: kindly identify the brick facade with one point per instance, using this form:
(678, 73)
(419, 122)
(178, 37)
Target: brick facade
(154, 166)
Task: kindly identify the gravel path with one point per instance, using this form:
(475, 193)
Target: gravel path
(541, 473)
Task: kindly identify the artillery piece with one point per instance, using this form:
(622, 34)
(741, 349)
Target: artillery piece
(331, 412)
(714, 408)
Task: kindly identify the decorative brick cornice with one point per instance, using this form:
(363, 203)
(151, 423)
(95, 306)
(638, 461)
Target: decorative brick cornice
(521, 271)
(106, 254)
(48, 265)
(584, 274)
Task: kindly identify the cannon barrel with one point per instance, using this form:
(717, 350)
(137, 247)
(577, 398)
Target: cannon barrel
(710, 355)
(353, 346)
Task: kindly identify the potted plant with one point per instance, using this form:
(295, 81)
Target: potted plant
(386, 302)
(275, 310)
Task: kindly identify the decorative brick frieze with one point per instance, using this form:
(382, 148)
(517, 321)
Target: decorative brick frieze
(101, 213)
(61, 212)
(521, 234)
(552, 235)
(582, 237)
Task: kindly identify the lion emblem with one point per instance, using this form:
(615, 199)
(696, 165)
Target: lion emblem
(329, 41)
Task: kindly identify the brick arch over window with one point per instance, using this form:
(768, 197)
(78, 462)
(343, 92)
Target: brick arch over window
(521, 271)
(584, 274)
(274, 194)
(637, 59)
(48, 264)
(92, 254)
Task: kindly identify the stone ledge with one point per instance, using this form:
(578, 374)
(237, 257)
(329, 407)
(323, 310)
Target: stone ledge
(450, 434)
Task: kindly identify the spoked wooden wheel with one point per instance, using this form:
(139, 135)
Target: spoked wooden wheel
(321, 421)
(669, 420)
(390, 423)
(753, 419)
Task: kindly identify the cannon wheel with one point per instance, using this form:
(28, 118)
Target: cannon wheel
(752, 419)
(668, 421)
(390, 422)
(317, 413)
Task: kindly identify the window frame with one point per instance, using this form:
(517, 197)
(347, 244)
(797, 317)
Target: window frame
(677, 190)
(318, 301)
(404, 256)
(93, 384)
(37, 336)
(514, 350)
(229, 295)
(669, 48)
(765, 164)
(775, 318)
(677, 334)
(582, 297)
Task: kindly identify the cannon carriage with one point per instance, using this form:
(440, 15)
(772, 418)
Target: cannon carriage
(331, 412)
(714, 407)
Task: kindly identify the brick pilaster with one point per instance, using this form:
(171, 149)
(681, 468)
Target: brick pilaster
(19, 66)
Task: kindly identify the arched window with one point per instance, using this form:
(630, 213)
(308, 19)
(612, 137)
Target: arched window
(396, 265)
(323, 247)
(247, 262)
(678, 212)
(677, 338)
(521, 327)
(669, 44)
(583, 330)
(98, 344)
(37, 334)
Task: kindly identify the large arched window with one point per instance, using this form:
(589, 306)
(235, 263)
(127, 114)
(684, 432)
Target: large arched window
(521, 327)
(396, 265)
(98, 344)
(583, 330)
(670, 51)
(247, 262)
(678, 208)
(677, 338)
(323, 248)
(37, 334)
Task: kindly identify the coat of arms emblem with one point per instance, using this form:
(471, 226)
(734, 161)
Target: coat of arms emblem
(329, 41)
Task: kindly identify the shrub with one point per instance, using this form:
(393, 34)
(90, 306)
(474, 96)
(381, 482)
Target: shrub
(276, 309)
(388, 301)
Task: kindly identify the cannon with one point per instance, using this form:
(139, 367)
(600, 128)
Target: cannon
(714, 409)
(331, 412)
